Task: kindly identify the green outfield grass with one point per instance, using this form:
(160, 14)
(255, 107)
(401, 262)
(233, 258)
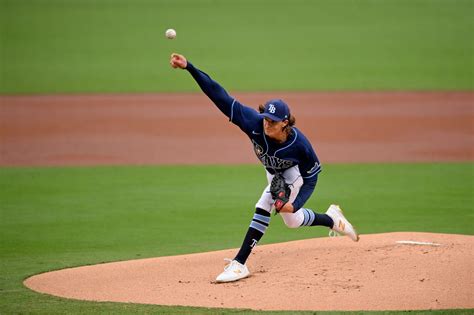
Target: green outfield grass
(58, 46)
(52, 218)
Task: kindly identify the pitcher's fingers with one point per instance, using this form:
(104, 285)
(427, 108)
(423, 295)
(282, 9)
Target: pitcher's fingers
(176, 56)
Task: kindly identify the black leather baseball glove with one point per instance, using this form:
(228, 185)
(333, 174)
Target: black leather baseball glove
(280, 191)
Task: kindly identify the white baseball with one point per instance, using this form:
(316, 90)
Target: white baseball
(170, 33)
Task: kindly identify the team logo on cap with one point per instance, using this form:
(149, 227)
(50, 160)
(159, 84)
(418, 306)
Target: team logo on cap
(272, 108)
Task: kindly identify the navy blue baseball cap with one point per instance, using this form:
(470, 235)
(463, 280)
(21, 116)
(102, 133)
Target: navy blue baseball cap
(276, 110)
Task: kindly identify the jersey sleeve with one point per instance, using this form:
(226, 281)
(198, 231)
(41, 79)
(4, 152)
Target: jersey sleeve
(239, 114)
(309, 169)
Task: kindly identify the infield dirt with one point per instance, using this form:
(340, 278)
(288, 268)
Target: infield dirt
(189, 129)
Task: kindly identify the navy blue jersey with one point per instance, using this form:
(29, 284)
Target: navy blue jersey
(276, 157)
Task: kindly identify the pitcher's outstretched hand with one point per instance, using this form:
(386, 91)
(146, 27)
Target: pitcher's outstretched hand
(178, 61)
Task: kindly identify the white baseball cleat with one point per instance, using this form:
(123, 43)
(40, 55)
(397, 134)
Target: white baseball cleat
(341, 225)
(233, 271)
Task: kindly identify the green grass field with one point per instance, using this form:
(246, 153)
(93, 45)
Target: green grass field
(53, 218)
(60, 46)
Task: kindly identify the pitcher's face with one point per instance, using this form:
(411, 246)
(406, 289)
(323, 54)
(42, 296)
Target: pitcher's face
(274, 129)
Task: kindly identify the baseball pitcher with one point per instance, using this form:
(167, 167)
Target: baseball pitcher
(292, 168)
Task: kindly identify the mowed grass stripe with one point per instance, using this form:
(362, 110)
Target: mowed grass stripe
(246, 45)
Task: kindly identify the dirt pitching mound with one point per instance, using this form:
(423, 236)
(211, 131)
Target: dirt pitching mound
(378, 273)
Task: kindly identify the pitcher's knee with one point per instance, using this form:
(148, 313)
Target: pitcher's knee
(292, 224)
(293, 220)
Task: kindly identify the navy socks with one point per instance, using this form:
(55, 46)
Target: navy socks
(260, 222)
(257, 228)
(312, 218)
